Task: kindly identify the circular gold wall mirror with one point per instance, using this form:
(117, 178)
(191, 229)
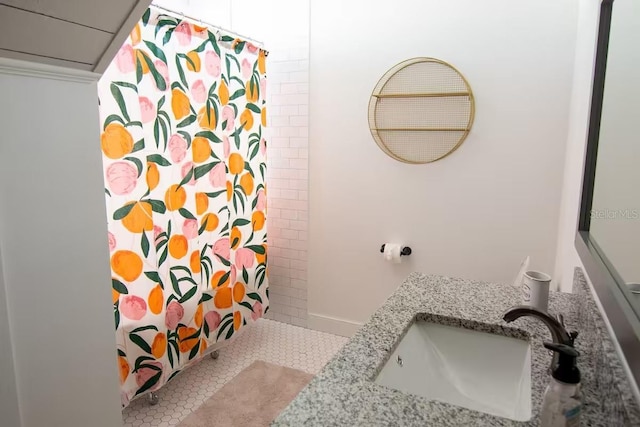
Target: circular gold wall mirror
(421, 110)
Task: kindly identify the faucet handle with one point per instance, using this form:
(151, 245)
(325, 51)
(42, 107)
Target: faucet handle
(573, 335)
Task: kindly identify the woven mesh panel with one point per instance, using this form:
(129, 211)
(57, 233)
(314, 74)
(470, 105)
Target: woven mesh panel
(423, 112)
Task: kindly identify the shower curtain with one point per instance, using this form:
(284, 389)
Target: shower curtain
(183, 116)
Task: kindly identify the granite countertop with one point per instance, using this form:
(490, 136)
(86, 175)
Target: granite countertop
(344, 394)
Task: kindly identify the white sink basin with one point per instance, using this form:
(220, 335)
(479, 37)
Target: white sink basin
(476, 370)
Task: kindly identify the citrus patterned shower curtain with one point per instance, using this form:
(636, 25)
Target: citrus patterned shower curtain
(183, 116)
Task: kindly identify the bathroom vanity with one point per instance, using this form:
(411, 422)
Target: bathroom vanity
(361, 385)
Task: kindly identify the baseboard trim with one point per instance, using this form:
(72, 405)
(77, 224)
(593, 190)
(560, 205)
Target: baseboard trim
(332, 325)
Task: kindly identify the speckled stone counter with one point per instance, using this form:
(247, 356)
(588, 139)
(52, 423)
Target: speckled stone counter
(344, 394)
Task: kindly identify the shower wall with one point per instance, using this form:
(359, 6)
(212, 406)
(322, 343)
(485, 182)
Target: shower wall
(8, 392)
(283, 25)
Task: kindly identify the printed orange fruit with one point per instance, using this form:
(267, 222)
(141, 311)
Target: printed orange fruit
(135, 35)
(223, 298)
(142, 58)
(215, 279)
(223, 93)
(203, 346)
(236, 163)
(251, 91)
(175, 197)
(211, 220)
(153, 175)
(126, 264)
(116, 141)
(194, 65)
(115, 295)
(123, 367)
(178, 246)
(155, 300)
(207, 122)
(262, 258)
(186, 338)
(197, 318)
(262, 62)
(201, 149)
(257, 220)
(194, 262)
(246, 118)
(179, 104)
(237, 320)
(263, 116)
(229, 191)
(238, 292)
(235, 237)
(139, 218)
(202, 203)
(246, 182)
(159, 345)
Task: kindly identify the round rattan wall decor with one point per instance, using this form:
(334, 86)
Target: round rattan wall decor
(421, 110)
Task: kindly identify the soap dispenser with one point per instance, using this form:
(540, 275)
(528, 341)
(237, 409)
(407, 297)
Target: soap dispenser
(561, 405)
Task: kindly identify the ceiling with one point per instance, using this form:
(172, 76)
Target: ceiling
(80, 34)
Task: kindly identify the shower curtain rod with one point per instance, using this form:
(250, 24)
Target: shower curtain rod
(181, 15)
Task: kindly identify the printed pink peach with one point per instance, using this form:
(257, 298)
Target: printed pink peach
(256, 311)
(212, 319)
(222, 247)
(112, 241)
(148, 371)
(122, 177)
(183, 33)
(173, 314)
(218, 175)
(125, 59)
(147, 109)
(228, 115)
(185, 170)
(261, 204)
(177, 148)
(212, 63)
(163, 70)
(244, 258)
(198, 91)
(226, 147)
(246, 69)
(190, 228)
(133, 307)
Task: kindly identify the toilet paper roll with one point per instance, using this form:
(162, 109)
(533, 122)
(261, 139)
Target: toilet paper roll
(392, 252)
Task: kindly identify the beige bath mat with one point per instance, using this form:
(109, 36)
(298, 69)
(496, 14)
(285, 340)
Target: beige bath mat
(253, 398)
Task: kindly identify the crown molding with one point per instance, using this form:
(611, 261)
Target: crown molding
(18, 67)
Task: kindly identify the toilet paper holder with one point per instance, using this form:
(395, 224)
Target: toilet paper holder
(406, 250)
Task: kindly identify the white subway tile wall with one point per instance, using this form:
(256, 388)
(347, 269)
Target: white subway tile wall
(288, 178)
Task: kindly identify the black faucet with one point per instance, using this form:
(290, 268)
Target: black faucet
(557, 329)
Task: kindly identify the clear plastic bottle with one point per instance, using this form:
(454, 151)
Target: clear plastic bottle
(562, 405)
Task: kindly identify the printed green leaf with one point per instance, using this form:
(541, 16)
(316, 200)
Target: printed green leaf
(127, 85)
(145, 16)
(121, 353)
(112, 118)
(226, 39)
(136, 123)
(202, 46)
(144, 244)
(158, 159)
(175, 284)
(156, 51)
(157, 205)
(216, 193)
(194, 350)
(119, 286)
(153, 276)
(205, 298)
(139, 145)
(245, 275)
(202, 170)
(253, 107)
(246, 305)
(254, 296)
(223, 326)
(239, 47)
(137, 162)
(209, 135)
(185, 213)
(240, 222)
(144, 328)
(225, 262)
(181, 71)
(190, 61)
(116, 314)
(187, 121)
(186, 178)
(235, 241)
(140, 342)
(223, 278)
(259, 249)
(156, 132)
(138, 70)
(140, 360)
(237, 94)
(150, 382)
(117, 95)
(160, 82)
(229, 333)
(167, 36)
(123, 211)
(254, 152)
(187, 296)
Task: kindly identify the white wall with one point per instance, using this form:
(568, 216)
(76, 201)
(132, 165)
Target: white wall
(54, 251)
(477, 213)
(283, 26)
(587, 32)
(8, 392)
